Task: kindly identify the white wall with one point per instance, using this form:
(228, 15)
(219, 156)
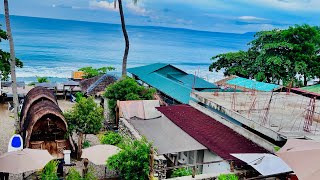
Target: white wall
(214, 167)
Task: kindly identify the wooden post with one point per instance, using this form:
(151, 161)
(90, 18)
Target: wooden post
(193, 171)
(151, 163)
(231, 166)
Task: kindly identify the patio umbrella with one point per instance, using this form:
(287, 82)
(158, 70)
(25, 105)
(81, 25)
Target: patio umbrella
(303, 158)
(99, 154)
(24, 160)
(265, 164)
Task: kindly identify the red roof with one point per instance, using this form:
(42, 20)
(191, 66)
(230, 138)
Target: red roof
(217, 137)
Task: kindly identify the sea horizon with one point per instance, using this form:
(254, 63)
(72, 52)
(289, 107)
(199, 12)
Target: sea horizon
(54, 47)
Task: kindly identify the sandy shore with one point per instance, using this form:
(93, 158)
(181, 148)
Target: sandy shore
(7, 130)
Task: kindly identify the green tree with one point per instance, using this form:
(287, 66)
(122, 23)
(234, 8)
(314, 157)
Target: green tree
(90, 72)
(126, 89)
(132, 162)
(85, 117)
(305, 42)
(275, 56)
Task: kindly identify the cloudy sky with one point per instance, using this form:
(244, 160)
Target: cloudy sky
(207, 15)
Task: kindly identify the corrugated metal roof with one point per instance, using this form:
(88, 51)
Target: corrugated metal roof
(217, 137)
(251, 84)
(170, 80)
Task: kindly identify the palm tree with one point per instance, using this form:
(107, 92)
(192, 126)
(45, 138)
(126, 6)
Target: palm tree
(126, 38)
(12, 67)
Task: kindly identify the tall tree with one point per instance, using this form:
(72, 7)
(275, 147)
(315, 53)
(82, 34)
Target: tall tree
(12, 66)
(126, 38)
(85, 117)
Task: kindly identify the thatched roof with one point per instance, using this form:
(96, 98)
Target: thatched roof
(96, 85)
(34, 95)
(39, 110)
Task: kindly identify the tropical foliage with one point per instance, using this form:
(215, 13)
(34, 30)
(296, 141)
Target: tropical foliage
(49, 172)
(132, 162)
(5, 59)
(126, 89)
(276, 56)
(90, 72)
(85, 117)
(73, 174)
(42, 79)
(228, 177)
(181, 172)
(111, 138)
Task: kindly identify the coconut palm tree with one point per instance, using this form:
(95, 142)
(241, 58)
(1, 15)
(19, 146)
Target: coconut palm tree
(12, 67)
(126, 37)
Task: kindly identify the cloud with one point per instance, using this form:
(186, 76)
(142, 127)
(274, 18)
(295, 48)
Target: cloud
(102, 5)
(251, 18)
(137, 9)
(291, 5)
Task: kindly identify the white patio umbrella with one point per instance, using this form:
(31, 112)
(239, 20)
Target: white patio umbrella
(265, 164)
(24, 160)
(99, 154)
(303, 158)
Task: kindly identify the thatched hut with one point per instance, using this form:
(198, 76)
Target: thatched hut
(43, 124)
(34, 95)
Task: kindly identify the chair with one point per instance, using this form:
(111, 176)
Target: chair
(73, 99)
(36, 144)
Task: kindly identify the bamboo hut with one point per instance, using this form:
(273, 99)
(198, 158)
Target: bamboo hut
(43, 124)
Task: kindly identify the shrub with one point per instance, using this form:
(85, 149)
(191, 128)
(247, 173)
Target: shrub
(49, 172)
(86, 144)
(181, 172)
(132, 162)
(90, 175)
(126, 89)
(111, 138)
(228, 177)
(73, 175)
(79, 95)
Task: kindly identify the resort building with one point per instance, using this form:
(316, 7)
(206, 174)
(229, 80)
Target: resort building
(173, 84)
(182, 135)
(267, 118)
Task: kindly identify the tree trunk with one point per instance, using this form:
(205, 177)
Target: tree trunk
(80, 141)
(12, 67)
(126, 38)
(305, 82)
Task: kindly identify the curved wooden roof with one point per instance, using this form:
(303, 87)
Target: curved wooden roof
(34, 95)
(38, 110)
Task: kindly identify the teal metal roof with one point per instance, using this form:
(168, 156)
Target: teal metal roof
(170, 80)
(251, 84)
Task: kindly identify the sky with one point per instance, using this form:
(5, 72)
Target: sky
(234, 16)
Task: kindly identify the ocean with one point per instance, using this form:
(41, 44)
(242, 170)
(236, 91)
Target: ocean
(54, 48)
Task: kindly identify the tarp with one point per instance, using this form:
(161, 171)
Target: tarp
(265, 164)
(142, 109)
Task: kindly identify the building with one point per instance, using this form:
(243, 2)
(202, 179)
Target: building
(268, 118)
(182, 135)
(96, 86)
(243, 84)
(43, 125)
(172, 83)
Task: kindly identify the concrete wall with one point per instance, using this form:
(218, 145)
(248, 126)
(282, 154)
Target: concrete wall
(252, 124)
(214, 167)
